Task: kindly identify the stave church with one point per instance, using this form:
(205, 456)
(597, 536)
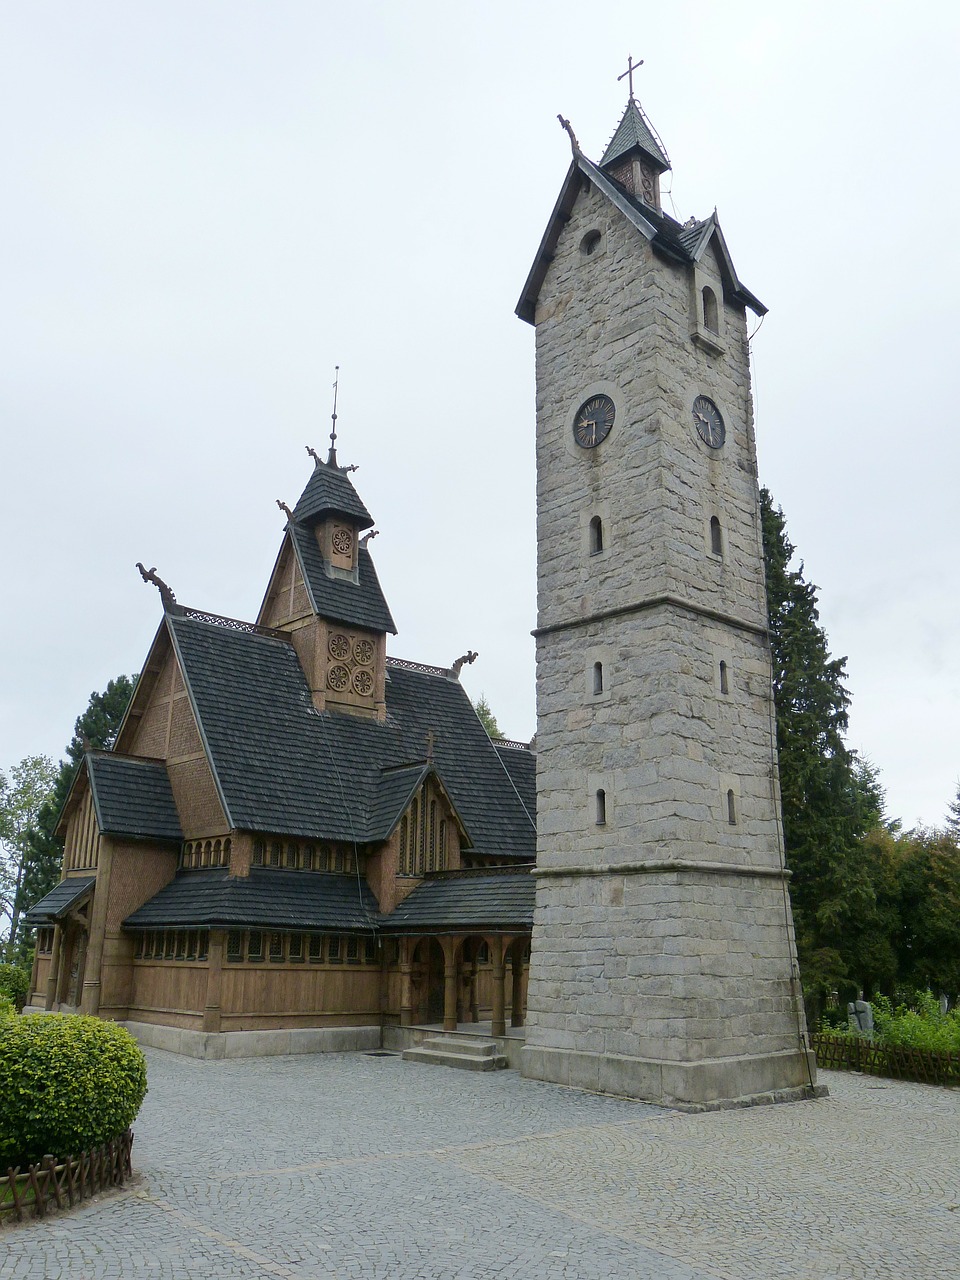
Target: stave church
(300, 843)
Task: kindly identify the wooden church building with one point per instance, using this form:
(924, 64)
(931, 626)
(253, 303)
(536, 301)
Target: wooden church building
(296, 840)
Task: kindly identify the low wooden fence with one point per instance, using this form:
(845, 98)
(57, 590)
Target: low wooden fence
(55, 1183)
(842, 1053)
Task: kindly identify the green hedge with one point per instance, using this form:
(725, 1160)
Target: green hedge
(66, 1084)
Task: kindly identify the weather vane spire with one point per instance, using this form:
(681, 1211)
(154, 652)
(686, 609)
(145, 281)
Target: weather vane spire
(332, 455)
(628, 74)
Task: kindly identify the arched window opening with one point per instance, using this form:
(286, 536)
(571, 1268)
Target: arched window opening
(596, 535)
(710, 310)
(716, 537)
(404, 867)
(731, 808)
(597, 678)
(442, 847)
(724, 687)
(601, 808)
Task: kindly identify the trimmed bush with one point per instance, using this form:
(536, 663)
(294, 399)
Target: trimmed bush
(15, 983)
(66, 1084)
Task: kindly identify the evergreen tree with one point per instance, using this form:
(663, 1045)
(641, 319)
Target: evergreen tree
(952, 824)
(97, 728)
(929, 876)
(487, 718)
(830, 799)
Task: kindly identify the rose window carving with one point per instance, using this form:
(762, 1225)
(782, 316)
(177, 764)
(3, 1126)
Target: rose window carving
(363, 653)
(339, 647)
(338, 678)
(342, 541)
(363, 682)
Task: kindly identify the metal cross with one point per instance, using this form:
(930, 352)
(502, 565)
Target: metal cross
(631, 68)
(431, 740)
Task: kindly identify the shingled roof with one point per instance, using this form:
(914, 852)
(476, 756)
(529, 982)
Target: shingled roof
(265, 899)
(329, 490)
(282, 766)
(635, 130)
(668, 237)
(59, 901)
(359, 603)
(132, 797)
(468, 900)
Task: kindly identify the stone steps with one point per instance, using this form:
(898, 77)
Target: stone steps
(468, 1053)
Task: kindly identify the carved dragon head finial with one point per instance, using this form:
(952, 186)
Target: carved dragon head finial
(314, 455)
(367, 537)
(572, 136)
(167, 598)
(286, 510)
(465, 660)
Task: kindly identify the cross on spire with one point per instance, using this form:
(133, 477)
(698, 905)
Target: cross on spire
(628, 74)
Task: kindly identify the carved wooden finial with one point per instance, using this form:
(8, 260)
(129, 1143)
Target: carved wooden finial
(465, 660)
(286, 510)
(573, 137)
(150, 575)
(367, 537)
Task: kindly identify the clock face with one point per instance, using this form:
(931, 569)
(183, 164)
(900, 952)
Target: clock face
(593, 421)
(709, 422)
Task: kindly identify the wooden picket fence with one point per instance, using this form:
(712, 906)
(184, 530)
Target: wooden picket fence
(839, 1053)
(56, 1183)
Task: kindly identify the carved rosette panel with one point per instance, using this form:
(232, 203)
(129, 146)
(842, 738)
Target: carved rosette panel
(343, 541)
(351, 664)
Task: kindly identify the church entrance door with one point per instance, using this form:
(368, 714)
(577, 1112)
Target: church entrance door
(428, 971)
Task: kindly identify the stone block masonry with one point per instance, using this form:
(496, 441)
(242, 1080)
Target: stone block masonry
(663, 960)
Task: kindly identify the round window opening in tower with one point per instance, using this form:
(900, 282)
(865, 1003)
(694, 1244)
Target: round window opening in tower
(590, 243)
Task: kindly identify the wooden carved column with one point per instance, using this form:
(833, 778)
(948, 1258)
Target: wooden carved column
(54, 971)
(517, 1010)
(211, 1005)
(450, 984)
(406, 984)
(497, 1023)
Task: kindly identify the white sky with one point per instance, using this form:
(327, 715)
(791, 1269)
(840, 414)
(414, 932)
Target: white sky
(208, 204)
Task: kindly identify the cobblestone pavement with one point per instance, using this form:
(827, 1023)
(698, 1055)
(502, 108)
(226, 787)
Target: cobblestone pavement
(355, 1166)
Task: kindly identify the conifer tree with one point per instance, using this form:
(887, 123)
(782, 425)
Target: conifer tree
(952, 824)
(829, 797)
(96, 728)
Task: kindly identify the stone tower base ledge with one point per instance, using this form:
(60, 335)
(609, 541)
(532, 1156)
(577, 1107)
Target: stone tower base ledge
(707, 1085)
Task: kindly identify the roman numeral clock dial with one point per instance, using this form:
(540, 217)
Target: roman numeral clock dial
(594, 421)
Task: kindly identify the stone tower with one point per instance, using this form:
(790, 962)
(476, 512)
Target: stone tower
(663, 963)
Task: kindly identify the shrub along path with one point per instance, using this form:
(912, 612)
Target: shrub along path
(354, 1166)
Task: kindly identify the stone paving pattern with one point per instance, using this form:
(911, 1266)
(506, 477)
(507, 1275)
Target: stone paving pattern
(355, 1166)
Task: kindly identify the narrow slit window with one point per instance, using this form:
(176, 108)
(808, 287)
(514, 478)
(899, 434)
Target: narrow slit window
(255, 946)
(731, 808)
(296, 948)
(724, 684)
(316, 950)
(716, 537)
(596, 535)
(710, 310)
(601, 807)
(597, 677)
(334, 952)
(234, 946)
(277, 948)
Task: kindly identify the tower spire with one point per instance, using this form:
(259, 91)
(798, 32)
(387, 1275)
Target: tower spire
(332, 455)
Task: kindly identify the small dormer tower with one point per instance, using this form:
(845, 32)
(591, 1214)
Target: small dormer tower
(325, 592)
(635, 156)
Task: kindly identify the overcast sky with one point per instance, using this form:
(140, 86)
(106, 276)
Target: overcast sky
(207, 205)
